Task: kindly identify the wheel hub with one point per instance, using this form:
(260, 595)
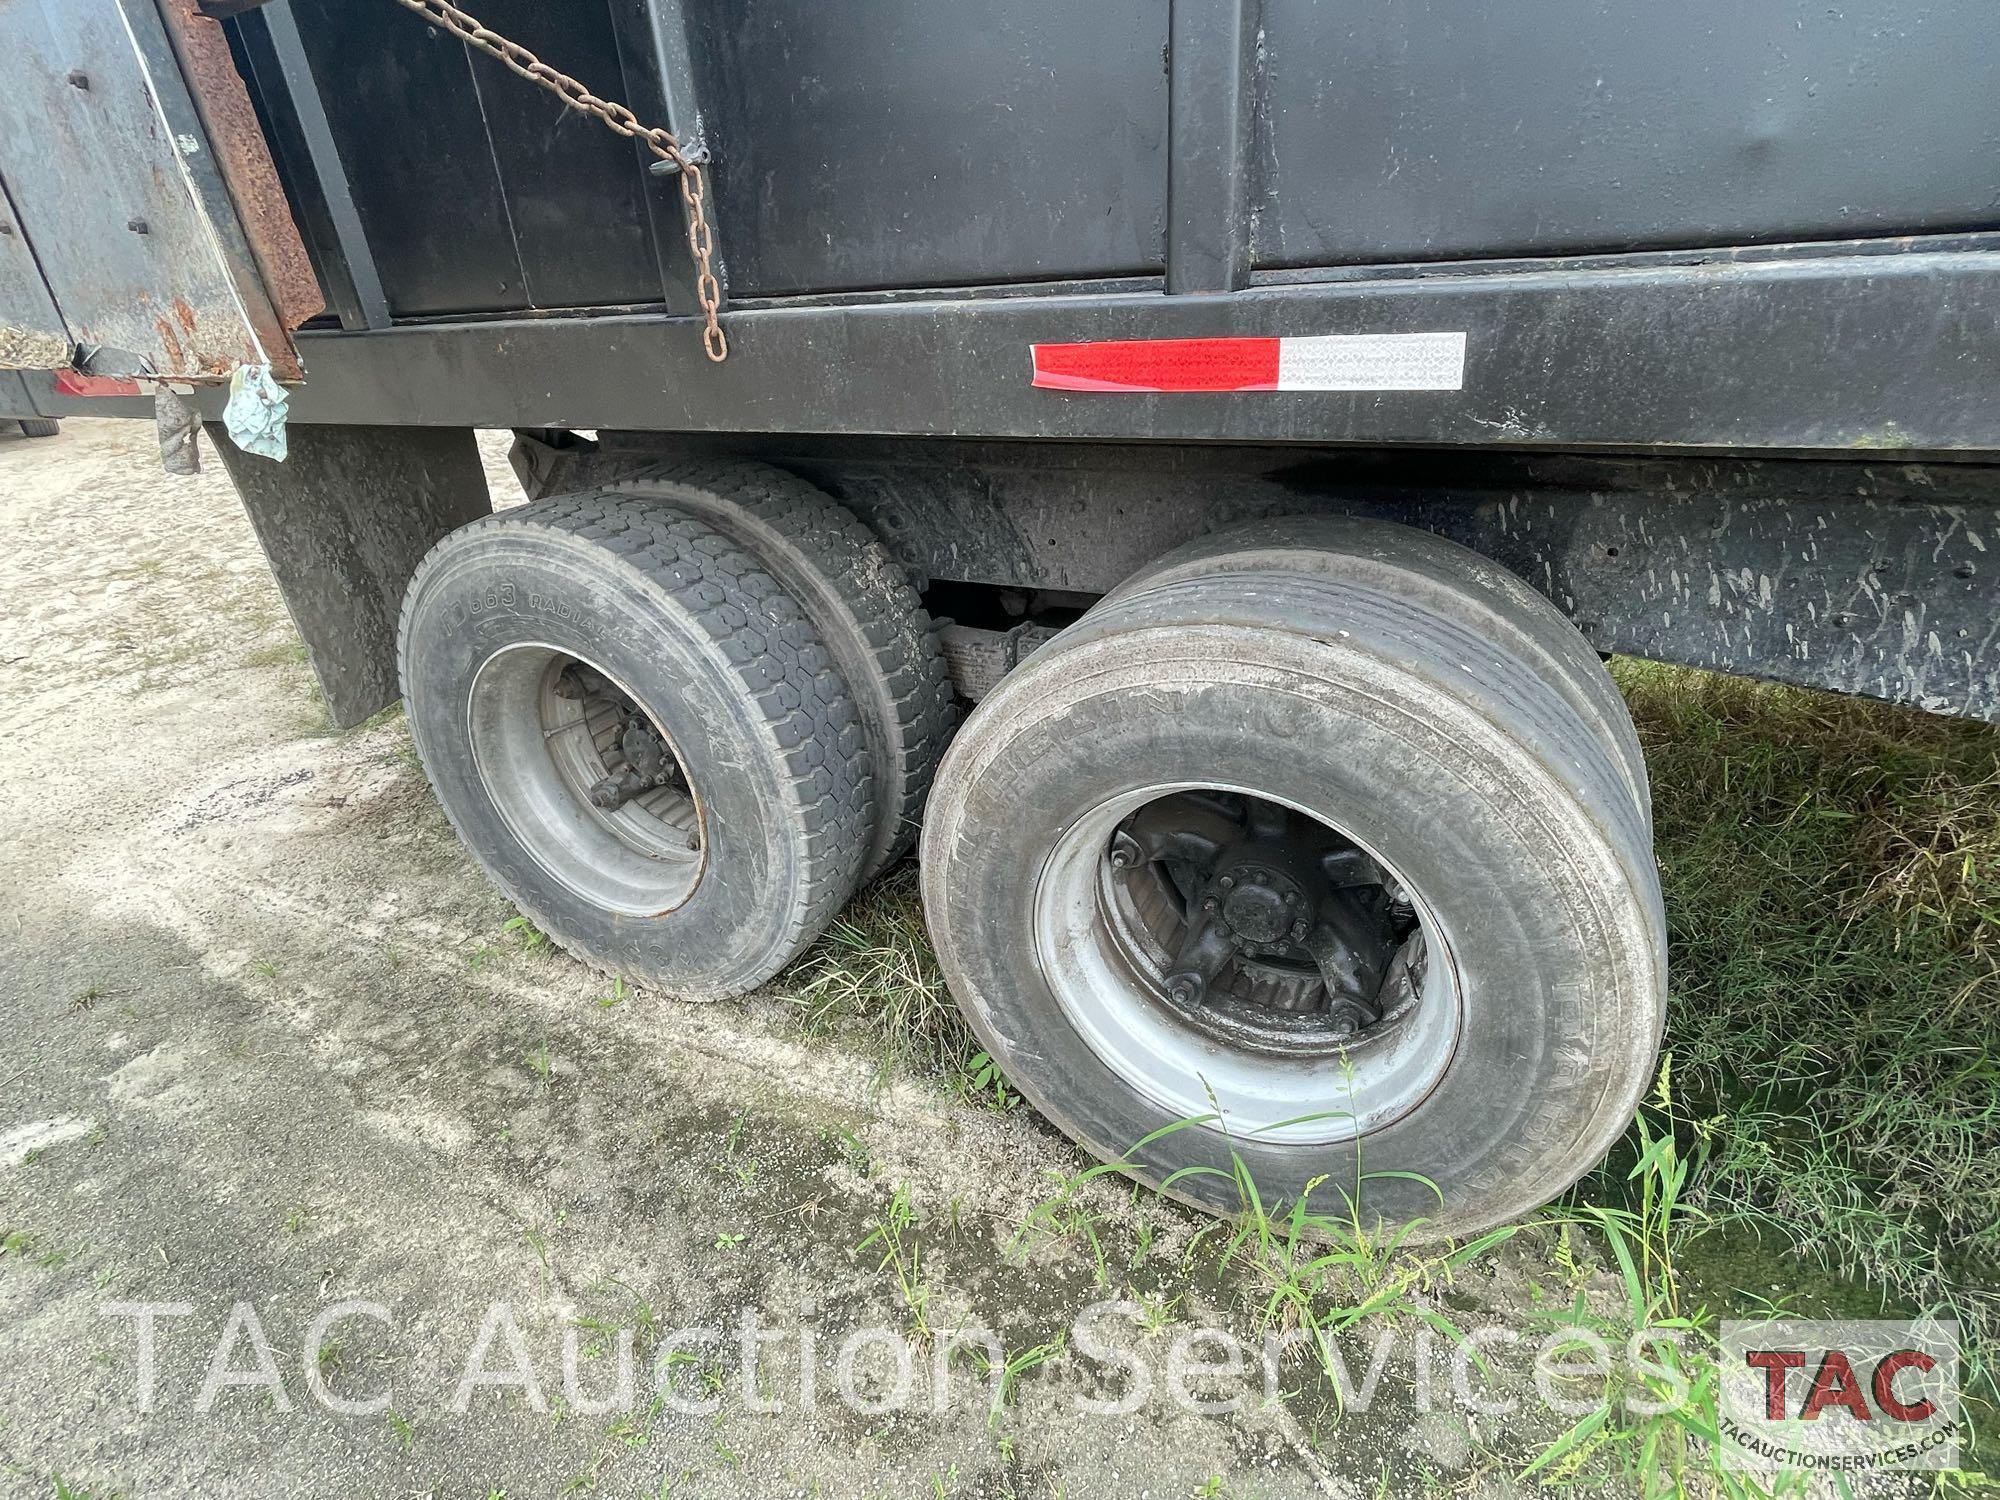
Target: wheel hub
(586, 779)
(1258, 910)
(1288, 936)
(648, 761)
(1254, 1037)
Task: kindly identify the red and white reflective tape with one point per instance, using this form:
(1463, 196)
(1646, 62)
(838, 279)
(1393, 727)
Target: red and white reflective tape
(1318, 362)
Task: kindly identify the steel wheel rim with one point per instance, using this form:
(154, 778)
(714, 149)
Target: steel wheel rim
(537, 753)
(1110, 987)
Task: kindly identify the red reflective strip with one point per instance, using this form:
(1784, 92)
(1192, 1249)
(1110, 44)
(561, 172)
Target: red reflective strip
(70, 383)
(1159, 365)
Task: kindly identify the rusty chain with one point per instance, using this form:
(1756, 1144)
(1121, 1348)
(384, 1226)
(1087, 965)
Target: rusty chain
(616, 117)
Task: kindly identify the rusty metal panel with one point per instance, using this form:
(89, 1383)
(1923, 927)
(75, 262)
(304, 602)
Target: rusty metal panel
(31, 330)
(107, 205)
(243, 157)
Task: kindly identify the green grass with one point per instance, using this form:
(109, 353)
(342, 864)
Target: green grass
(873, 975)
(895, 1234)
(1673, 1447)
(402, 1430)
(1832, 877)
(291, 651)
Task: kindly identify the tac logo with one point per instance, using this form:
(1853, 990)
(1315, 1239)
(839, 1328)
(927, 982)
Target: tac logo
(1840, 1396)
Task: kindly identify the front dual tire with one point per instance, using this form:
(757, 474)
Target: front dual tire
(1457, 803)
(678, 719)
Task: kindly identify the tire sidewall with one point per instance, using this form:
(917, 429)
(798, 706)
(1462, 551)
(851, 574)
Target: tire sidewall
(1560, 979)
(1440, 575)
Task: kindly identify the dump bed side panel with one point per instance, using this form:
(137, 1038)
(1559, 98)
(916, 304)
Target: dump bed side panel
(1436, 129)
(891, 145)
(878, 145)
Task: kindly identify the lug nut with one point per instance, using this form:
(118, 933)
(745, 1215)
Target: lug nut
(1210, 904)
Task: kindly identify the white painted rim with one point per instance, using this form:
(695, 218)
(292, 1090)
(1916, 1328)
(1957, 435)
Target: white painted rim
(1111, 992)
(534, 755)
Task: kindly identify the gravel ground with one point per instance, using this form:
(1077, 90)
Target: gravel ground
(276, 1049)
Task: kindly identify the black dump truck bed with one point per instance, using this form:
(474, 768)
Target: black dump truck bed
(1710, 225)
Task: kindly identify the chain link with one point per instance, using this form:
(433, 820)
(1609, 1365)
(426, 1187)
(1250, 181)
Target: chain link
(662, 143)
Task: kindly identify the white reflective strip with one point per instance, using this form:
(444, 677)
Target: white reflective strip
(1372, 362)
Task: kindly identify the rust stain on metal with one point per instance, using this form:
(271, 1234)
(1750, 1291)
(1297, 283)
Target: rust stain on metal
(184, 313)
(245, 162)
(171, 342)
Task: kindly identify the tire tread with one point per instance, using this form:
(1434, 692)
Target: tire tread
(907, 704)
(791, 689)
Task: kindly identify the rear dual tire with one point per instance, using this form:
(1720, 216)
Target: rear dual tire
(1442, 578)
(861, 603)
(531, 641)
(677, 720)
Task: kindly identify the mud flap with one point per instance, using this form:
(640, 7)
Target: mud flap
(345, 521)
